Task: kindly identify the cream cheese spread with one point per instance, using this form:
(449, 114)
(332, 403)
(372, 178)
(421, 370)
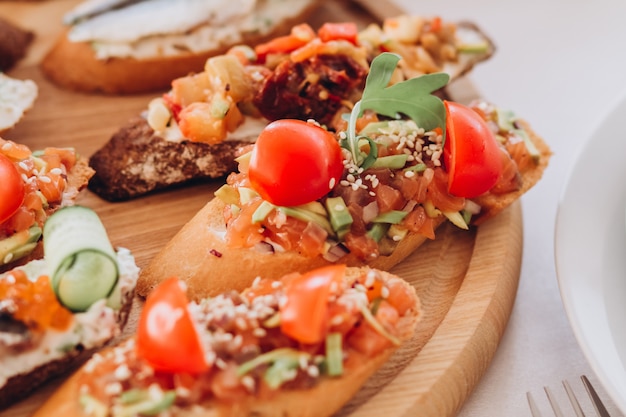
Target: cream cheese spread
(16, 97)
(91, 328)
(153, 28)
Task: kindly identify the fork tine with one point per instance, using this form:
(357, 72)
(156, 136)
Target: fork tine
(595, 399)
(553, 403)
(534, 410)
(573, 400)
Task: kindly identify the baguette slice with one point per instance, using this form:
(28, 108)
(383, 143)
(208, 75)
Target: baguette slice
(324, 398)
(200, 245)
(75, 65)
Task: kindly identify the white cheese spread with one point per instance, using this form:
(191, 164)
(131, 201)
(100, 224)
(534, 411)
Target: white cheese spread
(154, 28)
(16, 97)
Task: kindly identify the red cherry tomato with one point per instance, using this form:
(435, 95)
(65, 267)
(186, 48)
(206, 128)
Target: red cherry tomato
(471, 152)
(294, 162)
(166, 336)
(12, 190)
(304, 315)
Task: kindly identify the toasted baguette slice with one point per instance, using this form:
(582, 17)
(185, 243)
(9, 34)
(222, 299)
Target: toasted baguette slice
(325, 396)
(201, 245)
(76, 65)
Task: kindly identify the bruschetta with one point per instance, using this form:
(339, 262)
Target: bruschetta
(301, 345)
(53, 310)
(193, 131)
(33, 185)
(124, 47)
(369, 194)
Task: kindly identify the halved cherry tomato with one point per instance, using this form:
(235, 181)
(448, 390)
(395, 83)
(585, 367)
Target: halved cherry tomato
(294, 162)
(334, 31)
(304, 315)
(166, 336)
(471, 152)
(11, 189)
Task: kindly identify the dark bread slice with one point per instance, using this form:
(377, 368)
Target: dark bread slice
(136, 161)
(15, 42)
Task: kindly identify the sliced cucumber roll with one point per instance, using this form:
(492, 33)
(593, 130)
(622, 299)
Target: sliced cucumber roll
(80, 257)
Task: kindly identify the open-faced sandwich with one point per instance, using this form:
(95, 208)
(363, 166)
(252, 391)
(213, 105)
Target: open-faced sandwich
(74, 300)
(301, 345)
(132, 46)
(403, 163)
(194, 131)
(33, 185)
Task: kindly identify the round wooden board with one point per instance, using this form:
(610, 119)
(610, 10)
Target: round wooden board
(466, 280)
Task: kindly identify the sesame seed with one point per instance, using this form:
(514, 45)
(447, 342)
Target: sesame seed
(248, 382)
(313, 371)
(331, 183)
(23, 165)
(56, 171)
(409, 174)
(384, 292)
(114, 388)
(259, 332)
(122, 372)
(7, 258)
(45, 179)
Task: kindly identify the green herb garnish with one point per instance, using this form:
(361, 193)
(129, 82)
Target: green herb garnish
(410, 98)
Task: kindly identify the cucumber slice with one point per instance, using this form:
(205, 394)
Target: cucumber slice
(82, 262)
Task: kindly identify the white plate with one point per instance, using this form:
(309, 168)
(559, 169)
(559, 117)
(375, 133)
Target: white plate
(590, 251)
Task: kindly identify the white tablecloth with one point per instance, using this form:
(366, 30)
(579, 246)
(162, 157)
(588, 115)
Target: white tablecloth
(560, 64)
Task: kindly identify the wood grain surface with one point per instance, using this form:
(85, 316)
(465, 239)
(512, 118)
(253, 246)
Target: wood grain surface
(467, 281)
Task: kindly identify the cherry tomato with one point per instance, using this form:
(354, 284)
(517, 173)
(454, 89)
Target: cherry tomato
(166, 336)
(12, 190)
(294, 162)
(471, 152)
(304, 315)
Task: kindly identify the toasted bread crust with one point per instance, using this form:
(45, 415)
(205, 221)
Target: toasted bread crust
(324, 399)
(200, 247)
(73, 65)
(136, 161)
(494, 203)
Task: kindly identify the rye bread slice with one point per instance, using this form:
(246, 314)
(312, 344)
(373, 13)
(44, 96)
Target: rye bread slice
(137, 161)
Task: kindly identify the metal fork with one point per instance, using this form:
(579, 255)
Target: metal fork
(595, 399)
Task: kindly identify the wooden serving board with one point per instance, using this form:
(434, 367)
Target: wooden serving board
(467, 281)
